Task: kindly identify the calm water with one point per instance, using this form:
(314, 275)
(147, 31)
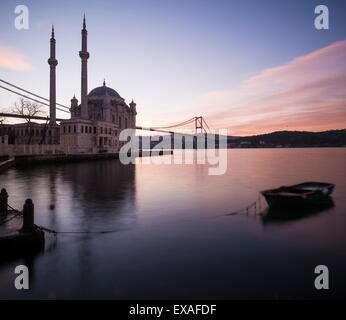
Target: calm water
(171, 237)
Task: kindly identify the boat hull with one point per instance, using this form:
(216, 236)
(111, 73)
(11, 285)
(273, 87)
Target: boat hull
(301, 195)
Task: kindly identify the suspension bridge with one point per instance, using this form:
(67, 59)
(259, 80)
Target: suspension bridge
(200, 125)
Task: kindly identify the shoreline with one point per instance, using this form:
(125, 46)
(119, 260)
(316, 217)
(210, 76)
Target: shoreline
(27, 160)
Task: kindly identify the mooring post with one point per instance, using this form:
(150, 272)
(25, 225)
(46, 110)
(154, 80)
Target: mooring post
(28, 216)
(3, 200)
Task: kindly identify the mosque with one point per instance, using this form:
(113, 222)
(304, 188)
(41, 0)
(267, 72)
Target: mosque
(95, 123)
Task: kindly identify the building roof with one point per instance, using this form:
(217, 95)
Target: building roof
(103, 91)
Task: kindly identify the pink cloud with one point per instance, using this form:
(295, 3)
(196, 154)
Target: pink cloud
(321, 62)
(307, 93)
(11, 59)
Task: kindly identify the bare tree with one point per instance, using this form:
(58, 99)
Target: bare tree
(28, 110)
(2, 119)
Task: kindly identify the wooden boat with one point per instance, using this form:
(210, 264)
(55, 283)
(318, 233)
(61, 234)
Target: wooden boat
(303, 194)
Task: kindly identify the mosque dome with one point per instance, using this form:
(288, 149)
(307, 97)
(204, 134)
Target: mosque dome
(103, 91)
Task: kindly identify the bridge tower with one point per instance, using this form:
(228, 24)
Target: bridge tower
(199, 124)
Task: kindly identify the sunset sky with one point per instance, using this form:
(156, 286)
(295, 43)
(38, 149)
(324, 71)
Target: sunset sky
(246, 65)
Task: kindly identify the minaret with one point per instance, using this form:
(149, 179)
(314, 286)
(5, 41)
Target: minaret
(134, 113)
(74, 107)
(52, 84)
(133, 106)
(84, 55)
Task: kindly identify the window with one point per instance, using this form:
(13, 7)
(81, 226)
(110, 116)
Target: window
(82, 128)
(69, 129)
(64, 129)
(90, 128)
(94, 129)
(74, 129)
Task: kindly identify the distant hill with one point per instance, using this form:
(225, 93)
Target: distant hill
(331, 138)
(278, 139)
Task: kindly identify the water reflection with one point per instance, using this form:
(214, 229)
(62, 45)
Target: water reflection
(90, 197)
(177, 243)
(282, 215)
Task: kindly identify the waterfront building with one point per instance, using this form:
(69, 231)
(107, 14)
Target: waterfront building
(94, 125)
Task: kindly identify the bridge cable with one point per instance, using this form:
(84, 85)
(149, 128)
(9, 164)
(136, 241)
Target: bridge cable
(176, 125)
(31, 98)
(33, 94)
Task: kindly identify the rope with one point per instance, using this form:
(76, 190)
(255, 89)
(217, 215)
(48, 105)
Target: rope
(256, 205)
(19, 213)
(9, 219)
(74, 232)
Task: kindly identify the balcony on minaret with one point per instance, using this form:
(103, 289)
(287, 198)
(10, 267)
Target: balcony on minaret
(84, 55)
(52, 62)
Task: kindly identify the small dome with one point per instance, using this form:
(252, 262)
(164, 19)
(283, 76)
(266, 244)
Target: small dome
(103, 91)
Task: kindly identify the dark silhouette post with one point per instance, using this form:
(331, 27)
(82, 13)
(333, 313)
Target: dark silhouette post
(3, 200)
(28, 216)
